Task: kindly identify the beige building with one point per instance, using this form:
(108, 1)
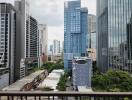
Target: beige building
(92, 53)
(92, 36)
(43, 43)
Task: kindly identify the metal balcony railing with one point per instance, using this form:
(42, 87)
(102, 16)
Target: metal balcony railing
(14, 95)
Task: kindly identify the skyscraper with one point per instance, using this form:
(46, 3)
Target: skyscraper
(75, 31)
(27, 37)
(23, 25)
(7, 43)
(33, 37)
(51, 48)
(43, 43)
(113, 35)
(91, 31)
(56, 47)
(92, 36)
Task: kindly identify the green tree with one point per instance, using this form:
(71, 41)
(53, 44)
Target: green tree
(112, 81)
(61, 86)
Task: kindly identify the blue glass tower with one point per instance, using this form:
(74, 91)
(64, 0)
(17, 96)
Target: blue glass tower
(75, 31)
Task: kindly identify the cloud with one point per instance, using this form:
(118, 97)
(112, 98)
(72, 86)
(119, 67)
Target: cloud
(48, 11)
(56, 33)
(8, 1)
(91, 4)
(51, 12)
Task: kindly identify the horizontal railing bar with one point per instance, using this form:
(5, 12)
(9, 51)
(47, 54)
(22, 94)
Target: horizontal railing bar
(70, 94)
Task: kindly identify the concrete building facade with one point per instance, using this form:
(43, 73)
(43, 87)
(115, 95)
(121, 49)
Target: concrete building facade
(81, 72)
(27, 37)
(7, 42)
(23, 30)
(4, 78)
(43, 43)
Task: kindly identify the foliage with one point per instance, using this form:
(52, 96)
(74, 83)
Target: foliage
(50, 65)
(61, 86)
(34, 69)
(47, 89)
(112, 81)
(95, 68)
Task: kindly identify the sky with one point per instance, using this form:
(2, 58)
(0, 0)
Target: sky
(51, 12)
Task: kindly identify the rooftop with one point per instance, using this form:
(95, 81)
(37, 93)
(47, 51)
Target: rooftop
(52, 80)
(81, 60)
(20, 83)
(84, 89)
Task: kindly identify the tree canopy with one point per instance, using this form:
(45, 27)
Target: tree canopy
(112, 81)
(61, 86)
(50, 65)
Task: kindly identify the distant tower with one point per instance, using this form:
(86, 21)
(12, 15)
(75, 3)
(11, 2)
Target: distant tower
(43, 43)
(92, 36)
(91, 31)
(56, 47)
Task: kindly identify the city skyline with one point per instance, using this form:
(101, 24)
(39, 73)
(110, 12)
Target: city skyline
(53, 15)
(95, 55)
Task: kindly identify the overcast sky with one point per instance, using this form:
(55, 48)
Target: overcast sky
(51, 12)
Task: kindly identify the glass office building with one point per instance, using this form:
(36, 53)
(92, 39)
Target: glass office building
(114, 35)
(75, 31)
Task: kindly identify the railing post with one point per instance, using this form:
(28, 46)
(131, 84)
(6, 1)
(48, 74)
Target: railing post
(53, 98)
(25, 97)
(80, 98)
(8, 98)
(39, 97)
(48, 97)
(21, 97)
(92, 98)
(35, 98)
(12, 97)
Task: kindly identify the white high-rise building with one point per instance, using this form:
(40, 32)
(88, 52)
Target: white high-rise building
(56, 47)
(43, 43)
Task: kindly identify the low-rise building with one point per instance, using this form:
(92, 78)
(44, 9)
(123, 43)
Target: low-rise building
(27, 83)
(4, 77)
(56, 57)
(81, 72)
(84, 89)
(52, 80)
(92, 53)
